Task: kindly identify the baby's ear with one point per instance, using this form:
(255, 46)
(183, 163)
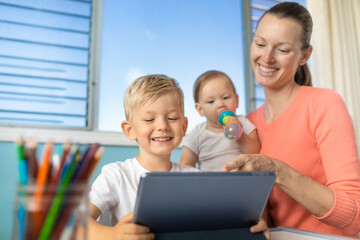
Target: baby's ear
(237, 100)
(199, 109)
(128, 130)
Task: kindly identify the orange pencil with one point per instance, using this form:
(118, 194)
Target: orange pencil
(41, 180)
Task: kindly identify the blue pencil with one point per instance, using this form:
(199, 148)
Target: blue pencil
(24, 178)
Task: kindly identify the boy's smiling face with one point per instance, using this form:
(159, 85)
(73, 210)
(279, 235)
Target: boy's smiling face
(158, 126)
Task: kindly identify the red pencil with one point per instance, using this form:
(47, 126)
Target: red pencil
(56, 176)
(95, 162)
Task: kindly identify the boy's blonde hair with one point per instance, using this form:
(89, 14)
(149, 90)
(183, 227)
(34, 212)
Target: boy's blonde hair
(147, 89)
(206, 76)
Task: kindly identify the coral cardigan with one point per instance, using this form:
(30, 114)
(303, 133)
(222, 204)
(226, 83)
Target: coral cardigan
(315, 136)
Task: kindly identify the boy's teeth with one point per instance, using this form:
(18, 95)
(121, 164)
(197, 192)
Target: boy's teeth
(162, 139)
(267, 70)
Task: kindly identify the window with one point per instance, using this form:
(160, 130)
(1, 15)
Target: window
(54, 53)
(181, 39)
(44, 62)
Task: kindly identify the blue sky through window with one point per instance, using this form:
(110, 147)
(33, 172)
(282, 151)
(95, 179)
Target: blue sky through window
(181, 39)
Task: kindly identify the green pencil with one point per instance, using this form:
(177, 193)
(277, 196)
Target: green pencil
(55, 208)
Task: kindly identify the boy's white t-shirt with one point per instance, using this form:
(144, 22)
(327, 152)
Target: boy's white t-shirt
(214, 150)
(116, 187)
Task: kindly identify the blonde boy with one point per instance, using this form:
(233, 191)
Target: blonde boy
(154, 109)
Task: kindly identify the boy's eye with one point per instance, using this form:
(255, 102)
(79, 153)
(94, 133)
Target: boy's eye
(226, 97)
(173, 119)
(212, 101)
(149, 120)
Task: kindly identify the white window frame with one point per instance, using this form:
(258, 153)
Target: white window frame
(249, 74)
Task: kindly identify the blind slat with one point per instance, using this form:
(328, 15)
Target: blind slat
(34, 17)
(48, 105)
(36, 34)
(43, 69)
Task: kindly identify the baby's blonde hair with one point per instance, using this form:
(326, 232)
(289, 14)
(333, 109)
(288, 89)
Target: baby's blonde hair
(147, 89)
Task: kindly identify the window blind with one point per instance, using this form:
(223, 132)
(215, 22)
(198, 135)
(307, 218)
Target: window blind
(44, 62)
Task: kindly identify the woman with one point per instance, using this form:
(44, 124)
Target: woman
(306, 133)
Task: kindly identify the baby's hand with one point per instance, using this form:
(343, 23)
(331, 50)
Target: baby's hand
(125, 229)
(234, 119)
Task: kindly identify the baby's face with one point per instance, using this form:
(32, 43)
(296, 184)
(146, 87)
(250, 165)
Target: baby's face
(159, 126)
(216, 95)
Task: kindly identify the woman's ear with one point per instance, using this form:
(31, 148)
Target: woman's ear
(128, 130)
(306, 55)
(198, 108)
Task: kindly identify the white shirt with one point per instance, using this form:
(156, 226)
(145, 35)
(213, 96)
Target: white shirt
(116, 187)
(213, 149)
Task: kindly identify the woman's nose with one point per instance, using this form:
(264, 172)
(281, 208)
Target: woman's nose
(268, 55)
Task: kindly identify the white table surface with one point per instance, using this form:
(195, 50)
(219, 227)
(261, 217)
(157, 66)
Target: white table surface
(285, 233)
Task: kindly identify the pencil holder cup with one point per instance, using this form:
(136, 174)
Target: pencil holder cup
(51, 212)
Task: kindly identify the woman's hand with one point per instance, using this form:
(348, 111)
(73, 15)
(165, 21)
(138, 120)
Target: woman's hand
(314, 196)
(261, 226)
(253, 162)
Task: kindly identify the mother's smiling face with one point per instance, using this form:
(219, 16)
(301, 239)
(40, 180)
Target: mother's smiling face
(276, 51)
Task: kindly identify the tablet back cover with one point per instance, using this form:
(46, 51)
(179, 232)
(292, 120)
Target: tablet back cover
(172, 202)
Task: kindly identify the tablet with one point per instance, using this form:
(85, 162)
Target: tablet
(175, 202)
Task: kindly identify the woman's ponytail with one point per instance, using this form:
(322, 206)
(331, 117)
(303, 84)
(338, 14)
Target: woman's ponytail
(303, 76)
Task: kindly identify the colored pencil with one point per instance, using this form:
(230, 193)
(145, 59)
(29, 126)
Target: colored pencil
(56, 177)
(52, 204)
(41, 180)
(22, 163)
(82, 175)
(30, 153)
(67, 210)
(54, 210)
(23, 178)
(95, 162)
